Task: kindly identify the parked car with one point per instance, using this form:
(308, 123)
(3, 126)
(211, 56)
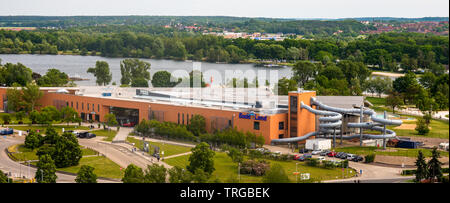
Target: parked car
(324, 153)
(331, 154)
(343, 156)
(358, 158)
(262, 150)
(339, 154)
(303, 150)
(316, 152)
(297, 156)
(350, 157)
(130, 124)
(307, 156)
(86, 135)
(321, 158)
(301, 158)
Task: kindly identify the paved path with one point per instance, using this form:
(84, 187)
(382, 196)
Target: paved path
(121, 153)
(164, 141)
(121, 136)
(18, 170)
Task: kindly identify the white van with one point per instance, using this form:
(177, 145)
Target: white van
(350, 156)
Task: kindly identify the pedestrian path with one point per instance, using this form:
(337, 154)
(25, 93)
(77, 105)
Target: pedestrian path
(122, 134)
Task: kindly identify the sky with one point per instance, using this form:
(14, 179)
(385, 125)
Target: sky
(240, 8)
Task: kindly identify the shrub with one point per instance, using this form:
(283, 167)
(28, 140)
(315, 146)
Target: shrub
(369, 158)
(344, 164)
(6, 118)
(328, 164)
(312, 162)
(422, 127)
(256, 168)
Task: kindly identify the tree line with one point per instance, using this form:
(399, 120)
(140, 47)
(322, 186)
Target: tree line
(388, 51)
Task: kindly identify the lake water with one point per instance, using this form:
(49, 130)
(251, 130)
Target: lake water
(76, 66)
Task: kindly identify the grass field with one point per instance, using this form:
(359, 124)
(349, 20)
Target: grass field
(389, 151)
(168, 149)
(108, 134)
(25, 154)
(103, 167)
(226, 169)
(439, 129)
(58, 128)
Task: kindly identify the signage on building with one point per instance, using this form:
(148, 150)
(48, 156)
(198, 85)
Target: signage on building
(255, 117)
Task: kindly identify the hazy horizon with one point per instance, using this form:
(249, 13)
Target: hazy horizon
(321, 9)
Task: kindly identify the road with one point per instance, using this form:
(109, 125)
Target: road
(121, 153)
(18, 170)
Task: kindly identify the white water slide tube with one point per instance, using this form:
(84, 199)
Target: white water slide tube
(332, 120)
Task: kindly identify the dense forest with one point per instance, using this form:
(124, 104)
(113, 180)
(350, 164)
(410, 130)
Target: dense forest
(389, 51)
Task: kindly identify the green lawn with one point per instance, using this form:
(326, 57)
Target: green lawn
(439, 129)
(58, 128)
(389, 152)
(169, 149)
(225, 169)
(108, 134)
(13, 119)
(25, 154)
(103, 167)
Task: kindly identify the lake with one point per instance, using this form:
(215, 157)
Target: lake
(76, 66)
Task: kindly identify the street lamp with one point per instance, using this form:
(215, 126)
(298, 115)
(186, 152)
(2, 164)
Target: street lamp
(239, 172)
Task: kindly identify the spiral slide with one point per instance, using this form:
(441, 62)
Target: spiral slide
(331, 122)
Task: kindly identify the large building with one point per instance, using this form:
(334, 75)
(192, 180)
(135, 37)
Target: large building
(256, 110)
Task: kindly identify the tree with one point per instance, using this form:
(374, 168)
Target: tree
(434, 166)
(110, 119)
(6, 118)
(179, 175)
(394, 100)
(86, 175)
(135, 71)
(46, 170)
(421, 171)
(285, 85)
(14, 96)
(235, 154)
(52, 113)
(69, 115)
(155, 173)
(133, 174)
(53, 78)
(3, 177)
(101, 72)
(197, 125)
(422, 127)
(15, 73)
(32, 140)
(164, 79)
(20, 116)
(30, 97)
(67, 151)
(276, 174)
(202, 157)
(293, 53)
(200, 176)
(303, 71)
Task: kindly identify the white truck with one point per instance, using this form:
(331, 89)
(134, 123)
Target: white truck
(318, 144)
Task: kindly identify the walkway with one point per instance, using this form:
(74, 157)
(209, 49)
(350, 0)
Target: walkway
(19, 170)
(121, 136)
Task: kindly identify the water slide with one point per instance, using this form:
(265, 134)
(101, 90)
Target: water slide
(330, 123)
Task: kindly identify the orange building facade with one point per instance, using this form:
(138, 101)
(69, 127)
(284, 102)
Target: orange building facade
(293, 123)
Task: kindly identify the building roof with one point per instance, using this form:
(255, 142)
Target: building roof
(342, 101)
